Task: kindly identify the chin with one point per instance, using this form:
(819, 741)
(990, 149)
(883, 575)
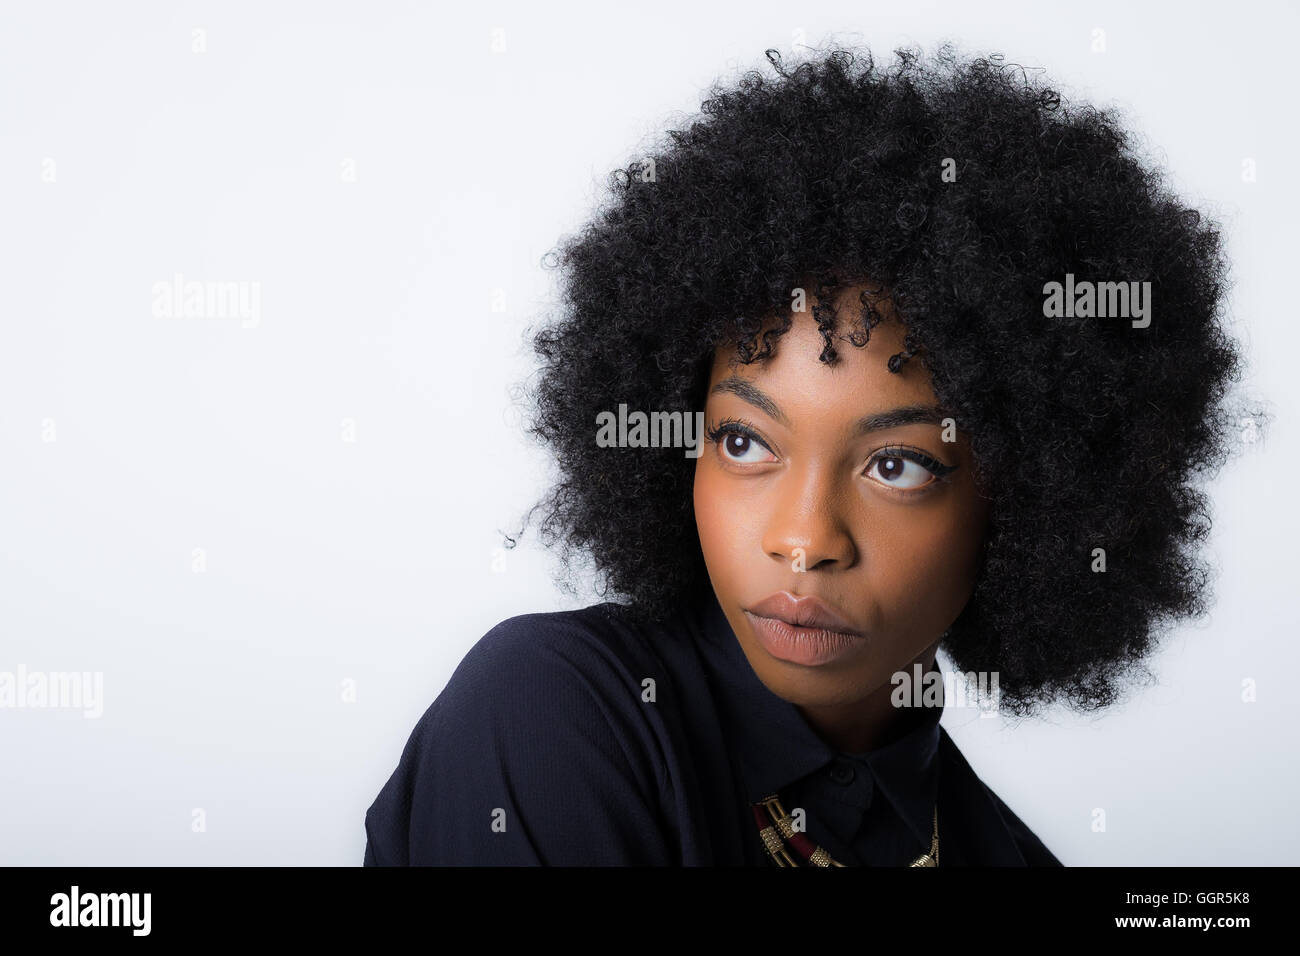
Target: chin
(812, 686)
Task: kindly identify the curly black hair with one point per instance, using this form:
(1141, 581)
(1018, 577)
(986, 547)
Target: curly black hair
(1085, 432)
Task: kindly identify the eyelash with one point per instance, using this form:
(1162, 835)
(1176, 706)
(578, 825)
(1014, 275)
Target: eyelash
(941, 472)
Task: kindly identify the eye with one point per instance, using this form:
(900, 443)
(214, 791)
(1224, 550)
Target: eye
(738, 443)
(906, 469)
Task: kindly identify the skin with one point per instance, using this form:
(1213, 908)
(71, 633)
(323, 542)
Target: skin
(899, 565)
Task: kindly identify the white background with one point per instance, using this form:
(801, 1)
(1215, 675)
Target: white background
(372, 561)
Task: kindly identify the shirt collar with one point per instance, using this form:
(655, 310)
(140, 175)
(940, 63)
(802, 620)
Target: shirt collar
(775, 746)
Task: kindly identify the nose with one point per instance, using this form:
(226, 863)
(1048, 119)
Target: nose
(807, 518)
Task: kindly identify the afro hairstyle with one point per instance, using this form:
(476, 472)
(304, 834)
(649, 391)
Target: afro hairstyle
(1085, 432)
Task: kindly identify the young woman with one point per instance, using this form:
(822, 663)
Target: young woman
(959, 361)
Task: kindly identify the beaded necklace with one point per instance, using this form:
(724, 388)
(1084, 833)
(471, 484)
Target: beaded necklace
(790, 848)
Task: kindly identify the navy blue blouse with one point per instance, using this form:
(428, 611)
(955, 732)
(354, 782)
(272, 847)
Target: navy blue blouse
(577, 738)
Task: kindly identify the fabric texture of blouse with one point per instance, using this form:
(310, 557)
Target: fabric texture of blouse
(578, 738)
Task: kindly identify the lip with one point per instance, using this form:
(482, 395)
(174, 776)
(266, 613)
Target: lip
(806, 611)
(803, 630)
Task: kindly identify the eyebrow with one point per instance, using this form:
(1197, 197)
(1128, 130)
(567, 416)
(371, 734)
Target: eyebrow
(879, 421)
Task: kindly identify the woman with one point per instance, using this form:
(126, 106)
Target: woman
(959, 360)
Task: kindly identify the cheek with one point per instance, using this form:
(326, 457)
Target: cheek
(725, 520)
(710, 513)
(925, 564)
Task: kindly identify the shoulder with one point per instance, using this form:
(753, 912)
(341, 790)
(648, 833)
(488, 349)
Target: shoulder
(538, 750)
(591, 648)
(996, 835)
(544, 676)
(1031, 847)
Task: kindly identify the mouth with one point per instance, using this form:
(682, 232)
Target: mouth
(808, 611)
(809, 646)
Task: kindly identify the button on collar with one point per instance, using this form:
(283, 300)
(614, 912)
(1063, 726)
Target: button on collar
(842, 773)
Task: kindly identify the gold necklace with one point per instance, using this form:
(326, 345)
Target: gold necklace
(790, 848)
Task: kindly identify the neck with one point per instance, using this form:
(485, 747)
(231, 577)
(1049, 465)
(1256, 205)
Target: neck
(872, 722)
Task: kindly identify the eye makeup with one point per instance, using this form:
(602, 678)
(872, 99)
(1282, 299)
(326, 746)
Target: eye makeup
(714, 434)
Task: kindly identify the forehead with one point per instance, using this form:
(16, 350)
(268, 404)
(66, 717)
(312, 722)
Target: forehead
(859, 379)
